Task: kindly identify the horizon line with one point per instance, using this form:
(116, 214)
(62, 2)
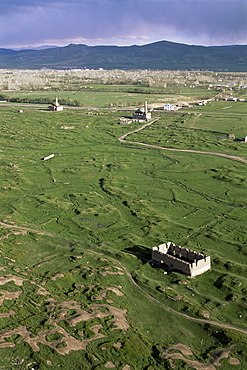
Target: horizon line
(51, 45)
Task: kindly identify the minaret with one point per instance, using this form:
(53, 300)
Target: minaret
(145, 107)
(56, 101)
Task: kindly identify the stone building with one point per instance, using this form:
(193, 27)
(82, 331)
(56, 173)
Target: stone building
(143, 114)
(55, 107)
(180, 259)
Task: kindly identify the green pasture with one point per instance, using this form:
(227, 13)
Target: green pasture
(100, 205)
(100, 95)
(199, 130)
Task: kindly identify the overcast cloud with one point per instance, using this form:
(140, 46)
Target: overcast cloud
(122, 22)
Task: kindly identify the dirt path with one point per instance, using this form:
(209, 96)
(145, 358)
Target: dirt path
(205, 321)
(236, 158)
(210, 365)
(13, 226)
(123, 139)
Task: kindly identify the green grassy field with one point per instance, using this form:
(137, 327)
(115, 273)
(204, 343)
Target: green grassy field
(100, 95)
(76, 234)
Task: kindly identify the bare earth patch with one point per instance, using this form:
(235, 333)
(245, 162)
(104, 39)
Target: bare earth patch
(206, 314)
(178, 297)
(234, 361)
(210, 365)
(11, 313)
(108, 271)
(42, 291)
(120, 320)
(104, 293)
(67, 127)
(183, 348)
(57, 276)
(164, 288)
(10, 259)
(110, 365)
(16, 279)
(67, 342)
(23, 232)
(4, 294)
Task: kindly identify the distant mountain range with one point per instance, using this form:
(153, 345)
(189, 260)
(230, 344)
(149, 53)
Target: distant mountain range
(158, 55)
(42, 47)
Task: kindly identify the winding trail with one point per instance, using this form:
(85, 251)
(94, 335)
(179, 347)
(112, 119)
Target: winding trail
(12, 226)
(123, 140)
(233, 157)
(128, 273)
(204, 321)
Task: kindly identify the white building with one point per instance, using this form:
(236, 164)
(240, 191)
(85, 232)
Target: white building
(170, 107)
(55, 107)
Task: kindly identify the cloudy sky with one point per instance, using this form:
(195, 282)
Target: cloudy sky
(122, 22)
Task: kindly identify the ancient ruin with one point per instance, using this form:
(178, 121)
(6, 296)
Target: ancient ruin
(174, 257)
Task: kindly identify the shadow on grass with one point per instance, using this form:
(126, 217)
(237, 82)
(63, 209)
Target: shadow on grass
(141, 252)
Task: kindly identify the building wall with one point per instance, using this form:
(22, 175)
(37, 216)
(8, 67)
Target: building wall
(170, 107)
(54, 108)
(142, 116)
(181, 259)
(171, 262)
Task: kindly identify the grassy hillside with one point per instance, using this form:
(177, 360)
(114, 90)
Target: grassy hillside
(77, 290)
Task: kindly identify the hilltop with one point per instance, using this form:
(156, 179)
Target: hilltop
(159, 55)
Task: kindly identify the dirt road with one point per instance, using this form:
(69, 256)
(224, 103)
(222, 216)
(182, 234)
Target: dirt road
(123, 139)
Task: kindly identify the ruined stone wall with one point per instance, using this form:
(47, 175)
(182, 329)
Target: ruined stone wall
(171, 262)
(200, 266)
(181, 259)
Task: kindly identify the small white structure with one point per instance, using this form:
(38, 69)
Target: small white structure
(55, 107)
(174, 257)
(245, 139)
(125, 121)
(170, 107)
(203, 103)
(48, 157)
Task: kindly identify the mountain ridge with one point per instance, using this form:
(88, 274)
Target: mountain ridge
(158, 55)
